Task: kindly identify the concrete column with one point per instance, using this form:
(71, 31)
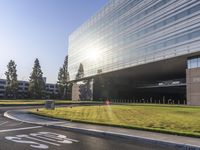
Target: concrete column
(193, 86)
(83, 90)
(75, 92)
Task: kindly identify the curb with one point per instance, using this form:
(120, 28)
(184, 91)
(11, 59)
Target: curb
(101, 133)
(128, 137)
(56, 104)
(7, 115)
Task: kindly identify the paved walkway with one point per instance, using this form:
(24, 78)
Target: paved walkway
(24, 116)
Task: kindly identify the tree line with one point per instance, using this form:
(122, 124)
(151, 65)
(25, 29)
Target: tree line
(37, 85)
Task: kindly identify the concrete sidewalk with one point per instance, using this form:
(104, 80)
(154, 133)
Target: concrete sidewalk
(179, 142)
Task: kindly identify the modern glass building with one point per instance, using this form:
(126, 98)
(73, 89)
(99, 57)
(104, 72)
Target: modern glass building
(140, 43)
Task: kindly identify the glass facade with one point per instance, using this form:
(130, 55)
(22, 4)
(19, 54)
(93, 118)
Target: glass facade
(193, 62)
(127, 33)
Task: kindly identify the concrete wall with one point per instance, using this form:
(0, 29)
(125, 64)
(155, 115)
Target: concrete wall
(193, 86)
(75, 92)
(82, 90)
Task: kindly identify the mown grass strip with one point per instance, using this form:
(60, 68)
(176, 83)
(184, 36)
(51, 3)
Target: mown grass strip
(180, 120)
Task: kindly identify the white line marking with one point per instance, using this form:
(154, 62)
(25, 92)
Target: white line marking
(18, 129)
(53, 137)
(32, 143)
(4, 123)
(28, 137)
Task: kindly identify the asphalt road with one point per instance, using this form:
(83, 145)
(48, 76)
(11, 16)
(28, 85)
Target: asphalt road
(22, 136)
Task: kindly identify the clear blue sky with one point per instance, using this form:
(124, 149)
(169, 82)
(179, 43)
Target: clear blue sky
(32, 29)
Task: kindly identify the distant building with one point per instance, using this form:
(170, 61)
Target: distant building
(2, 88)
(140, 50)
(51, 89)
(23, 89)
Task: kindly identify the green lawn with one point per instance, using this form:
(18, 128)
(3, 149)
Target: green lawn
(181, 120)
(18, 102)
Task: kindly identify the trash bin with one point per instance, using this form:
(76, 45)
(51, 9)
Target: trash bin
(50, 104)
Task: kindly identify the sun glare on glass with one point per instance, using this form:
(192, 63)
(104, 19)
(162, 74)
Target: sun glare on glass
(94, 55)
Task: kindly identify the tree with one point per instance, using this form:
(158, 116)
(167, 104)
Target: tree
(36, 82)
(63, 78)
(80, 73)
(11, 80)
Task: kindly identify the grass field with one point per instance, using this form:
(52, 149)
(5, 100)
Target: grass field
(18, 102)
(181, 120)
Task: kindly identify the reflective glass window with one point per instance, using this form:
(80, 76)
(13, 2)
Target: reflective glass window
(170, 42)
(171, 19)
(195, 34)
(160, 24)
(182, 38)
(189, 63)
(195, 8)
(198, 62)
(182, 14)
(121, 42)
(194, 63)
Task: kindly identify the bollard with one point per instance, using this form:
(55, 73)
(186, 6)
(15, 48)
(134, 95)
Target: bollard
(163, 99)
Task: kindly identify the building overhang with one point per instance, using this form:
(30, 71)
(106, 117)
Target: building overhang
(166, 69)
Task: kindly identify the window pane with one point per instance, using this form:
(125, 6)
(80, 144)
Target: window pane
(194, 63)
(189, 64)
(199, 62)
(195, 34)
(182, 38)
